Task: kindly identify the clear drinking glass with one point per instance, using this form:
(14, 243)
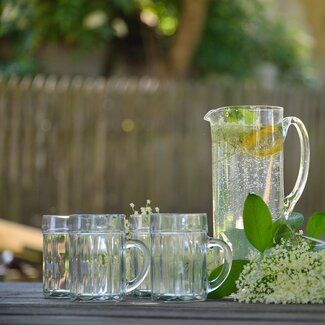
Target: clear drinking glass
(97, 258)
(179, 244)
(247, 157)
(55, 256)
(139, 229)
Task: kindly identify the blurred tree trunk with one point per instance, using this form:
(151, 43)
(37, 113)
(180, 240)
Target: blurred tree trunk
(139, 53)
(187, 37)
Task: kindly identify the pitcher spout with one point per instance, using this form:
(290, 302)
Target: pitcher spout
(213, 115)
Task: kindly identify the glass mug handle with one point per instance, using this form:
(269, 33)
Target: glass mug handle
(291, 199)
(133, 284)
(218, 281)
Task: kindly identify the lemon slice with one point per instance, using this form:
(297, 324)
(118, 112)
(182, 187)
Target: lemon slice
(264, 142)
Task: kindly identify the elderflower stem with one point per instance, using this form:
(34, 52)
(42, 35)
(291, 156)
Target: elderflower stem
(314, 239)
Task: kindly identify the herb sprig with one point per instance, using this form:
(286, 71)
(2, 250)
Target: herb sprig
(239, 114)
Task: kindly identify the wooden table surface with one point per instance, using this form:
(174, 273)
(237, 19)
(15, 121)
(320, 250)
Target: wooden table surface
(23, 303)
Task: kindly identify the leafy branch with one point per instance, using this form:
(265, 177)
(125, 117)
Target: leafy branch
(264, 234)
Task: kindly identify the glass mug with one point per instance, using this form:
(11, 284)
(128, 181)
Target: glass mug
(179, 245)
(97, 258)
(55, 256)
(247, 157)
(139, 228)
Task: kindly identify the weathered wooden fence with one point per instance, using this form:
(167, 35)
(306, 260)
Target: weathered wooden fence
(95, 145)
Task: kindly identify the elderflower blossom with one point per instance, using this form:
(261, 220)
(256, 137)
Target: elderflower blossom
(145, 212)
(132, 231)
(290, 273)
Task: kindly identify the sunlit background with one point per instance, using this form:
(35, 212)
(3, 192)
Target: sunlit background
(102, 104)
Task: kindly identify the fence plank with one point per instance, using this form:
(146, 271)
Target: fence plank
(94, 145)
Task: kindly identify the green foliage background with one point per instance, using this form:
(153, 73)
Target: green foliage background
(241, 34)
(238, 36)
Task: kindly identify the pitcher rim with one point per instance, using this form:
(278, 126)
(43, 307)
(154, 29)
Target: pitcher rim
(263, 107)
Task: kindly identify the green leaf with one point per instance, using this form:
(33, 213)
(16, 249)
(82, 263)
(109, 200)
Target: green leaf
(249, 117)
(283, 228)
(284, 231)
(236, 115)
(295, 220)
(258, 223)
(316, 225)
(276, 225)
(229, 286)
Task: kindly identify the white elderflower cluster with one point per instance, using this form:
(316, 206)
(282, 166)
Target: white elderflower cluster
(290, 273)
(144, 210)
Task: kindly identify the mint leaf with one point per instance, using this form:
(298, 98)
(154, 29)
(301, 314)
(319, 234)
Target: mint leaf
(316, 225)
(249, 117)
(236, 115)
(258, 223)
(229, 286)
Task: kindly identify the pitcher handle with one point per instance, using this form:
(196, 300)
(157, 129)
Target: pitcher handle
(291, 199)
(218, 281)
(145, 267)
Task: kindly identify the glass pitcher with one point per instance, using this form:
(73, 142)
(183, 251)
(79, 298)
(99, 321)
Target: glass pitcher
(247, 157)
